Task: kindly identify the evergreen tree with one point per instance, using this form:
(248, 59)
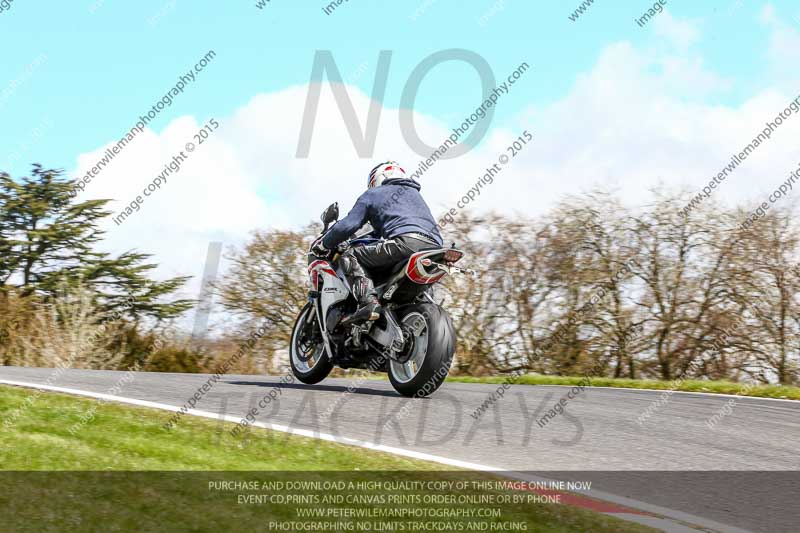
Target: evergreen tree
(47, 239)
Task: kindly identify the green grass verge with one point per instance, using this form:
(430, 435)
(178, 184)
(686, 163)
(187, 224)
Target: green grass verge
(122, 471)
(719, 387)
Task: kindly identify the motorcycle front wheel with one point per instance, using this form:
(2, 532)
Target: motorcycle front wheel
(307, 357)
(428, 352)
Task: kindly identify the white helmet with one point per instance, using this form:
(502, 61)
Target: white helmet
(385, 171)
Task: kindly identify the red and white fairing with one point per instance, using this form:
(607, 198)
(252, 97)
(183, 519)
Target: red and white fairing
(331, 287)
(316, 268)
(419, 268)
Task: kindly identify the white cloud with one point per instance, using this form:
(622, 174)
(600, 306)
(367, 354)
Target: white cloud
(783, 50)
(634, 120)
(680, 33)
(767, 14)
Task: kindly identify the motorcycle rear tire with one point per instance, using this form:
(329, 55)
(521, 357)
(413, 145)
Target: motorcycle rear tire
(438, 356)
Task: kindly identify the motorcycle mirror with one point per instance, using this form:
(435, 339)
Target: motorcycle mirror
(330, 214)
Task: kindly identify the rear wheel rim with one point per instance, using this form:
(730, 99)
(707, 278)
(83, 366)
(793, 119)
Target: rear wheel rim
(305, 353)
(418, 341)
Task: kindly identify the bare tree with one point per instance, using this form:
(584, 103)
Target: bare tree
(268, 283)
(770, 288)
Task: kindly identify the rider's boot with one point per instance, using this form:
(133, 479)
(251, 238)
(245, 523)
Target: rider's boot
(364, 291)
(369, 307)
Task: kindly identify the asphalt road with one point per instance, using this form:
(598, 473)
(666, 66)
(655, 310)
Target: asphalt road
(742, 472)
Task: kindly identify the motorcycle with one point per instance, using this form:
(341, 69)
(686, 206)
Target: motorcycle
(413, 339)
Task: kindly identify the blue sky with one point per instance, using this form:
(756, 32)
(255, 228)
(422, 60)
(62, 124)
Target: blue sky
(104, 67)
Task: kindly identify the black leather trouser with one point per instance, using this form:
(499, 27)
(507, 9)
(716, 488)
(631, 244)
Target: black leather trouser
(356, 262)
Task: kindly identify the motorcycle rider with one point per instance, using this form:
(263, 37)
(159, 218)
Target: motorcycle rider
(399, 216)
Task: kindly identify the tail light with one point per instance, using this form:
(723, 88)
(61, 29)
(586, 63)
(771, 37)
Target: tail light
(425, 271)
(452, 255)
